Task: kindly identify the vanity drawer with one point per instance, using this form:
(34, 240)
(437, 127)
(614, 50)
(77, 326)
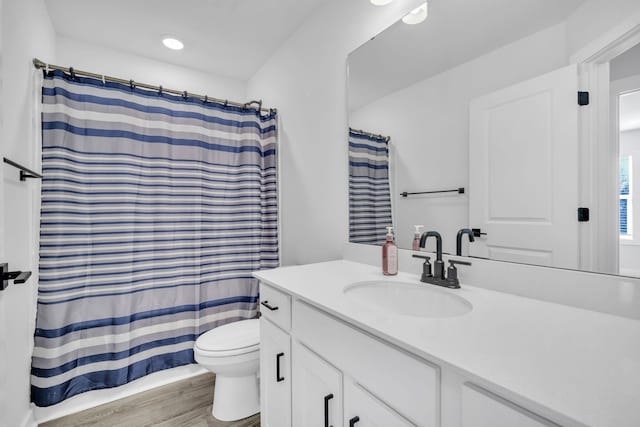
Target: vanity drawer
(275, 306)
(406, 384)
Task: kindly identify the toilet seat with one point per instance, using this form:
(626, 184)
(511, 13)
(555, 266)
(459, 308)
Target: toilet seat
(230, 340)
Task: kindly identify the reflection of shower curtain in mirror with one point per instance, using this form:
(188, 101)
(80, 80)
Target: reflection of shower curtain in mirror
(369, 190)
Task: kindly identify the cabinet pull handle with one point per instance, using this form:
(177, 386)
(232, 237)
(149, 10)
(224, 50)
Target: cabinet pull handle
(353, 421)
(327, 398)
(270, 307)
(278, 377)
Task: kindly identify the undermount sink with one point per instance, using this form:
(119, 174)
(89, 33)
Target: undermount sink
(408, 299)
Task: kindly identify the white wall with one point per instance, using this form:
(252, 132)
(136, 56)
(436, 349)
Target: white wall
(594, 18)
(630, 249)
(103, 60)
(306, 80)
(429, 127)
(26, 32)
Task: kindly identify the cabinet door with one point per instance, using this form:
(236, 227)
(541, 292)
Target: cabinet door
(483, 409)
(317, 390)
(275, 376)
(361, 409)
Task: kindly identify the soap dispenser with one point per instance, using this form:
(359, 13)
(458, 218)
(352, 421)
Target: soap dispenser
(389, 255)
(416, 238)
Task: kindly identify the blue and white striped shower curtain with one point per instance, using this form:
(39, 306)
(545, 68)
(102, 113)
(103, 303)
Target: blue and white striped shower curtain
(369, 190)
(155, 211)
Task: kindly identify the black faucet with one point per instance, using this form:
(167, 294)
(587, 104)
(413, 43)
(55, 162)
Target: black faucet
(438, 265)
(439, 278)
(461, 233)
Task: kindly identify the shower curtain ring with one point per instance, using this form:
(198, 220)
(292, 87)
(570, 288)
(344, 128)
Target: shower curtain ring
(206, 99)
(160, 90)
(185, 95)
(226, 102)
(132, 84)
(72, 73)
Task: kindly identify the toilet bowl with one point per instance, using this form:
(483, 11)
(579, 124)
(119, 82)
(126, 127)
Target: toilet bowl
(232, 352)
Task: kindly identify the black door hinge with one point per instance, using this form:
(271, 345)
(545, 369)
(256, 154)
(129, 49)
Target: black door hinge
(583, 214)
(583, 98)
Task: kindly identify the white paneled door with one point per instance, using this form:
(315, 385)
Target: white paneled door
(524, 171)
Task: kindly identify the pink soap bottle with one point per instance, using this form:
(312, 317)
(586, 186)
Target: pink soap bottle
(389, 255)
(416, 238)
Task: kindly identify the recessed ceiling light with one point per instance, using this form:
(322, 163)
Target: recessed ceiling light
(417, 15)
(172, 43)
(380, 2)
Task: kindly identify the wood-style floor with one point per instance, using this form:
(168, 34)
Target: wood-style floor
(185, 403)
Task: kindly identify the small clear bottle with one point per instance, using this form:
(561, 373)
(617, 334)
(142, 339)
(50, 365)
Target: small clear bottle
(416, 238)
(390, 255)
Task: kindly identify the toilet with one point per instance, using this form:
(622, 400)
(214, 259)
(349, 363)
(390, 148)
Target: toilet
(232, 352)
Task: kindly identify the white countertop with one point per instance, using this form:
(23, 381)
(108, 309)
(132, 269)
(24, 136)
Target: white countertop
(579, 367)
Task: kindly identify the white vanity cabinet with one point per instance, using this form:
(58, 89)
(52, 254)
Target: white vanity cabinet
(317, 390)
(384, 386)
(320, 371)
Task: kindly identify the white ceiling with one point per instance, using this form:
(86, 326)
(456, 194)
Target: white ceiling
(230, 38)
(630, 111)
(455, 32)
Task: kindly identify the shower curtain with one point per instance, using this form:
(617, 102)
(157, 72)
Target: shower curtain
(369, 190)
(155, 210)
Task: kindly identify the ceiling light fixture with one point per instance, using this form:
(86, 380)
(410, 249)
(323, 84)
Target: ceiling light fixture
(380, 2)
(417, 15)
(172, 43)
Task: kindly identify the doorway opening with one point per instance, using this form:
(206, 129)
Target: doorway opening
(609, 69)
(625, 122)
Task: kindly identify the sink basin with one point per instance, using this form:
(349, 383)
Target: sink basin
(408, 299)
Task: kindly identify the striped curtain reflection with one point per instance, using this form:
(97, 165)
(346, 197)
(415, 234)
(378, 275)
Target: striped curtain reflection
(155, 211)
(369, 190)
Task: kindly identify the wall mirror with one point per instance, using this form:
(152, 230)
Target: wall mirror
(472, 120)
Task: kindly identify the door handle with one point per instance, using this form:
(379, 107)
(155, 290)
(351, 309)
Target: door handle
(270, 307)
(278, 377)
(327, 398)
(353, 421)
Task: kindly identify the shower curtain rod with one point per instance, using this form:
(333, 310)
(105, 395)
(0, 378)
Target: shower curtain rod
(257, 105)
(374, 135)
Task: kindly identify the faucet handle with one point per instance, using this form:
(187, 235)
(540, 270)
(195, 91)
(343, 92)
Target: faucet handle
(426, 267)
(452, 272)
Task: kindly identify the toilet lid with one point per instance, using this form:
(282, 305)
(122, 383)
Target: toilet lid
(244, 334)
